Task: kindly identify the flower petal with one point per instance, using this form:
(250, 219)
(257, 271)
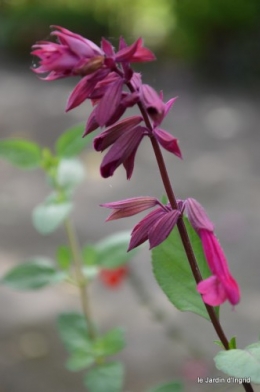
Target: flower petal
(107, 47)
(84, 88)
(129, 207)
(219, 266)
(212, 291)
(79, 45)
(129, 164)
(92, 123)
(111, 134)
(154, 105)
(162, 228)
(127, 52)
(121, 150)
(140, 232)
(109, 102)
(167, 141)
(169, 105)
(198, 216)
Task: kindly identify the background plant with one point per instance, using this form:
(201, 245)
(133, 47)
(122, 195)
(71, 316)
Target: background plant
(88, 347)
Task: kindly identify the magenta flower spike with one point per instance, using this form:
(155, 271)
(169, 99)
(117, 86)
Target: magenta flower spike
(221, 286)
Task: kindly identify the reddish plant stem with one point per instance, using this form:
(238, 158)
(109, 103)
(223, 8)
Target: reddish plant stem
(186, 241)
(183, 232)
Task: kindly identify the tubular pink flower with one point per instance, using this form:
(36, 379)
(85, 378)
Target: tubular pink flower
(129, 207)
(221, 286)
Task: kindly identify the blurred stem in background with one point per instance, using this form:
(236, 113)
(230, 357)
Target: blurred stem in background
(81, 280)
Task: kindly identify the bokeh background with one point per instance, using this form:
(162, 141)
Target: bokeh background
(209, 55)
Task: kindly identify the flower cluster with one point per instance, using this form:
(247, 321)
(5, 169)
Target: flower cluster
(157, 226)
(112, 86)
(104, 74)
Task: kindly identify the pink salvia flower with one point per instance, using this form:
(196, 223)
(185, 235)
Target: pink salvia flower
(221, 286)
(67, 57)
(155, 227)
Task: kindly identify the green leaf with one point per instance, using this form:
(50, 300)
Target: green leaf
(111, 343)
(48, 217)
(73, 331)
(105, 378)
(164, 199)
(81, 358)
(241, 363)
(170, 387)
(32, 275)
(112, 251)
(70, 173)
(71, 143)
(64, 257)
(22, 153)
(173, 273)
(232, 343)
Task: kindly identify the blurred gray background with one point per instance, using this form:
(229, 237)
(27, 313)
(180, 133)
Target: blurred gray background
(209, 57)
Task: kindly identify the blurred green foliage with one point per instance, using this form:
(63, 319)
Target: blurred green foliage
(219, 36)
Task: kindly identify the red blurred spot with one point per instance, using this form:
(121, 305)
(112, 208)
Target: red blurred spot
(113, 277)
